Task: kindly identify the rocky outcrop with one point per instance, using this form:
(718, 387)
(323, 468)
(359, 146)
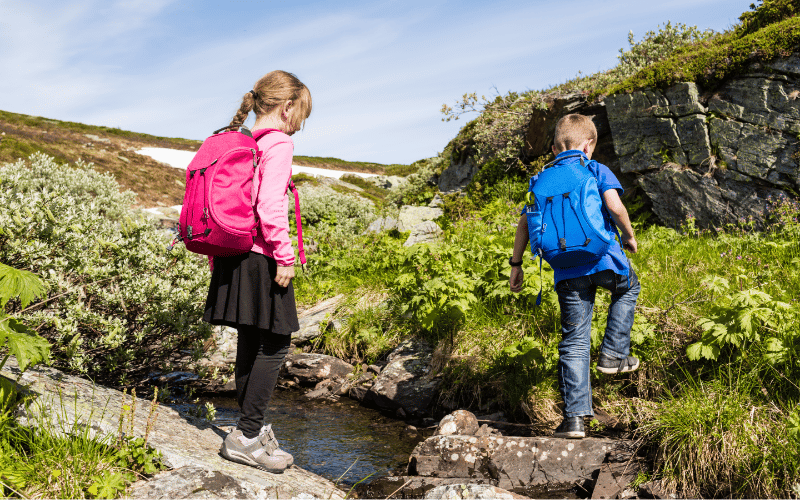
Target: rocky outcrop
(457, 175)
(406, 384)
(424, 232)
(68, 402)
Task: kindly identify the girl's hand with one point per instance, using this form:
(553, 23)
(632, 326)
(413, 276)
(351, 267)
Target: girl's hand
(284, 275)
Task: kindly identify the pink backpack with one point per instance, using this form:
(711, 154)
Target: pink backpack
(217, 217)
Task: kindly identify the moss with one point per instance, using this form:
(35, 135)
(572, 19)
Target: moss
(711, 61)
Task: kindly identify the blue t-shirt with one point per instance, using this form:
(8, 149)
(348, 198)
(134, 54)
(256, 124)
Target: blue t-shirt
(614, 259)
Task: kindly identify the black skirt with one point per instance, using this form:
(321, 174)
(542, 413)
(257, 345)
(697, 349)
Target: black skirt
(243, 292)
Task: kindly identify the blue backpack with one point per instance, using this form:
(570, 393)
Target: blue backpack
(566, 222)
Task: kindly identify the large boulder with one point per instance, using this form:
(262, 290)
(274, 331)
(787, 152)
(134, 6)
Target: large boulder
(425, 232)
(407, 381)
(411, 216)
(313, 368)
(458, 175)
(193, 482)
(513, 461)
(310, 320)
(64, 401)
(469, 492)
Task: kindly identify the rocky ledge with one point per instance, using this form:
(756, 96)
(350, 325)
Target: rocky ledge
(67, 402)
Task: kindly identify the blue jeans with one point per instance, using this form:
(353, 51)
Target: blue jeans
(576, 298)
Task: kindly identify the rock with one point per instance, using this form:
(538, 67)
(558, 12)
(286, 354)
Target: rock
(614, 479)
(195, 483)
(97, 138)
(374, 369)
(406, 486)
(436, 201)
(412, 216)
(512, 461)
(542, 126)
(387, 182)
(310, 320)
(424, 232)
(381, 224)
(470, 491)
(654, 489)
(313, 368)
(457, 176)
(65, 401)
(406, 381)
(358, 392)
(460, 422)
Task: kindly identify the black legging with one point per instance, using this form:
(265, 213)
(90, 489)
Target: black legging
(259, 356)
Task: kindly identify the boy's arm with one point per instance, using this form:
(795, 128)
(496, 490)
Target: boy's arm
(620, 216)
(520, 242)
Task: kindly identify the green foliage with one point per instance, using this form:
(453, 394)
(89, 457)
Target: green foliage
(116, 291)
(53, 462)
(418, 189)
(656, 46)
(766, 13)
(339, 213)
(22, 342)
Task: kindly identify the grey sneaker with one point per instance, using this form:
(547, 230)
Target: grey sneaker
(267, 429)
(260, 453)
(607, 364)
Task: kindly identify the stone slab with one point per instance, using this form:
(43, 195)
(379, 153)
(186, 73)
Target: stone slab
(66, 401)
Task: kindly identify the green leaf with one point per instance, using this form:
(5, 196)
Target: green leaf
(25, 344)
(18, 282)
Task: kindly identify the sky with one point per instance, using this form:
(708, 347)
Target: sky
(378, 71)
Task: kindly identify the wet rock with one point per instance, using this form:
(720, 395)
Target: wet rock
(406, 381)
(512, 461)
(469, 491)
(195, 483)
(460, 422)
(424, 232)
(457, 176)
(613, 480)
(65, 401)
(412, 216)
(310, 320)
(313, 368)
(381, 224)
(408, 486)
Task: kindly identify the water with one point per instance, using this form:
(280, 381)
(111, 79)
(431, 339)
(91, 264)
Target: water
(341, 441)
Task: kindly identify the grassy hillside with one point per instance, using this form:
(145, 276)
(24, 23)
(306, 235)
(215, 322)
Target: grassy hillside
(114, 150)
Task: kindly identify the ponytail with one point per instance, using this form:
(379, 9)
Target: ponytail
(248, 104)
(271, 90)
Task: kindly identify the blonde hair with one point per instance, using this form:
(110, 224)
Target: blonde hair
(573, 130)
(274, 89)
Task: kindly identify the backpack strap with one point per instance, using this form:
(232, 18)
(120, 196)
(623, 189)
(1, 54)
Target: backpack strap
(298, 222)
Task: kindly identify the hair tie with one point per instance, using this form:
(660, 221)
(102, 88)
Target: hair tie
(254, 94)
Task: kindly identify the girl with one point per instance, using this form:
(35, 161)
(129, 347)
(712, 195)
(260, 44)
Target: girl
(253, 292)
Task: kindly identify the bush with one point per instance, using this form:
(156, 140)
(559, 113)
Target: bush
(120, 304)
(339, 213)
(418, 190)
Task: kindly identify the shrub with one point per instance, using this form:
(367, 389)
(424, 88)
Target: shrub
(345, 214)
(120, 304)
(418, 190)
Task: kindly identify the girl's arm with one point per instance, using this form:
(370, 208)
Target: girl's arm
(275, 171)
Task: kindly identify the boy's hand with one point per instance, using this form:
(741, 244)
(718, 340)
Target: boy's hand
(516, 279)
(630, 244)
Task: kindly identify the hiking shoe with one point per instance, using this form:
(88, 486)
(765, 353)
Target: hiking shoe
(278, 452)
(607, 364)
(258, 453)
(570, 428)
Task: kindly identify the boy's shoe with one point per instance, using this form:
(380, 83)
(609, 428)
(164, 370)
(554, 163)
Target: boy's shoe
(607, 364)
(267, 429)
(259, 453)
(570, 428)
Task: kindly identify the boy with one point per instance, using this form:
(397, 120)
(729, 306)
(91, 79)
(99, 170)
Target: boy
(576, 286)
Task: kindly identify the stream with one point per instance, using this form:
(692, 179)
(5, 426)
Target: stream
(341, 441)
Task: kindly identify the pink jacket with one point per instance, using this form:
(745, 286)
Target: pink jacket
(270, 188)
